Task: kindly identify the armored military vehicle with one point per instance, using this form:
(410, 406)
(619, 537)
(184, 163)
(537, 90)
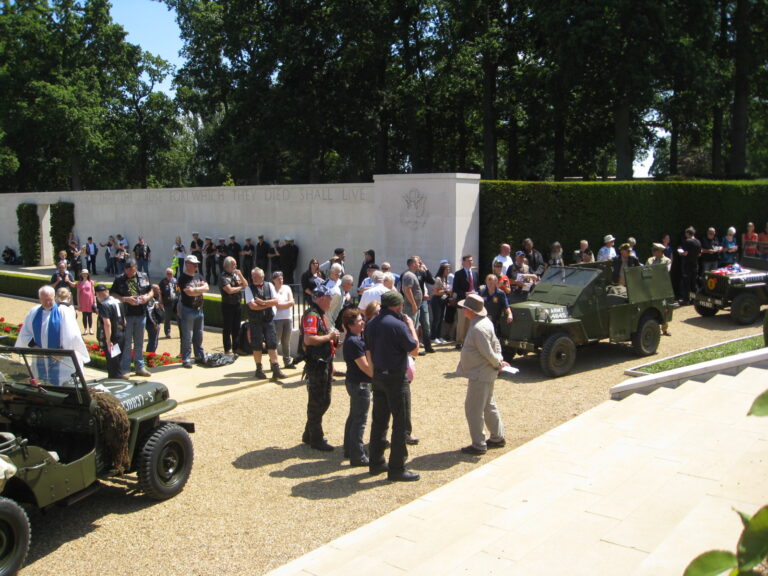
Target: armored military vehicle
(742, 287)
(57, 442)
(571, 306)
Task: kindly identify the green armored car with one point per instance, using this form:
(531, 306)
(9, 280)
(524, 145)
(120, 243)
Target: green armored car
(57, 442)
(741, 287)
(571, 306)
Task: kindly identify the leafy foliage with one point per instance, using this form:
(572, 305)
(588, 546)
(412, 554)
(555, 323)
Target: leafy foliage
(62, 223)
(29, 233)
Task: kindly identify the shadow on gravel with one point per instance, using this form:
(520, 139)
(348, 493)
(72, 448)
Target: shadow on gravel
(336, 487)
(58, 526)
(721, 322)
(307, 469)
(439, 460)
(590, 357)
(274, 455)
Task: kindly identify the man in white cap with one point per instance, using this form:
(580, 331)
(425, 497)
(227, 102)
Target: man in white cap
(607, 252)
(192, 286)
(480, 362)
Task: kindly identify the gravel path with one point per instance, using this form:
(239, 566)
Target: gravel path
(258, 497)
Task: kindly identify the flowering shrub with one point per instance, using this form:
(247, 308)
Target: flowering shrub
(98, 357)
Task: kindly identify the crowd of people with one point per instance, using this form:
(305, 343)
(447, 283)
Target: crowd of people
(381, 319)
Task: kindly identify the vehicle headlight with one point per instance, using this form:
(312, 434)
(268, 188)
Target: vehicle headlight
(542, 315)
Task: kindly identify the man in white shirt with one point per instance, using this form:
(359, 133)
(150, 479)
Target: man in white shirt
(49, 325)
(607, 252)
(504, 257)
(378, 287)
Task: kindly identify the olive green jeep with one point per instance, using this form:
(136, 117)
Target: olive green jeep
(574, 305)
(57, 442)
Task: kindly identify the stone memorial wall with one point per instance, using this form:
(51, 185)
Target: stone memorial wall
(433, 215)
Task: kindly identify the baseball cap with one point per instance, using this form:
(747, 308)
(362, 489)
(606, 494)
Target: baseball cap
(391, 298)
(192, 259)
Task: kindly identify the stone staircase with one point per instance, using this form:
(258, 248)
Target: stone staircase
(639, 486)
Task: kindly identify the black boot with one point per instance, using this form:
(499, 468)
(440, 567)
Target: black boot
(260, 375)
(276, 372)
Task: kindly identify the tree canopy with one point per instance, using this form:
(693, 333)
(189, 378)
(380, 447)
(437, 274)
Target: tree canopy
(338, 90)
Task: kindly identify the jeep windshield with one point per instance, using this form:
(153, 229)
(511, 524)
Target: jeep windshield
(563, 285)
(38, 368)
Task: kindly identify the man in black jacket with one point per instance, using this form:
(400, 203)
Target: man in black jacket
(535, 259)
(465, 281)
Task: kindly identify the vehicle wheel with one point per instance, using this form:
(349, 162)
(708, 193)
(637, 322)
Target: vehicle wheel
(646, 340)
(14, 537)
(704, 311)
(558, 355)
(165, 461)
(745, 308)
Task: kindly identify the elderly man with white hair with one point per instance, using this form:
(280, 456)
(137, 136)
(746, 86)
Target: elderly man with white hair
(378, 287)
(49, 325)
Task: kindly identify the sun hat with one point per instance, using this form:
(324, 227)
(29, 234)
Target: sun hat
(474, 303)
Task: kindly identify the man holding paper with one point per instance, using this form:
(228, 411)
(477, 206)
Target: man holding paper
(480, 362)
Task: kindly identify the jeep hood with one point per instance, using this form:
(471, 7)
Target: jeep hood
(134, 396)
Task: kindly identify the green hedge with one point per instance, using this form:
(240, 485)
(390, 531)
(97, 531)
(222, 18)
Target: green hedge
(21, 284)
(571, 211)
(29, 233)
(62, 223)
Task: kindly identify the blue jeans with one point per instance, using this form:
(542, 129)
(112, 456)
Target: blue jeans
(134, 340)
(143, 265)
(359, 402)
(424, 321)
(192, 326)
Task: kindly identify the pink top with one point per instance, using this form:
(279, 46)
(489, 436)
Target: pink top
(85, 296)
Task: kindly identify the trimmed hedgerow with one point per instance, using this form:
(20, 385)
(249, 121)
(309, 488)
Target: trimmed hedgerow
(570, 211)
(29, 233)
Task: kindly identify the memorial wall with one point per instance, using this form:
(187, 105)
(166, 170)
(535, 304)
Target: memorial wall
(433, 215)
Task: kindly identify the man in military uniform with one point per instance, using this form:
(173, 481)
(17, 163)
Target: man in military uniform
(320, 341)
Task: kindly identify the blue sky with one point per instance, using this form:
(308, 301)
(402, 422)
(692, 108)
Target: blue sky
(152, 26)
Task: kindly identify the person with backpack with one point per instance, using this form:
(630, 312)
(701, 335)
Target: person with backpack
(261, 299)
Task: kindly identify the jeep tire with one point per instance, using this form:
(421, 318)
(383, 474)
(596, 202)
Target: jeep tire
(704, 311)
(165, 461)
(745, 308)
(557, 355)
(14, 537)
(646, 340)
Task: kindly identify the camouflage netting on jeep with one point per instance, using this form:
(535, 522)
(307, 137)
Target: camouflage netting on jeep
(115, 429)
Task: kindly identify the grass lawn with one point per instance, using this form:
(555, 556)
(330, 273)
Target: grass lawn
(711, 353)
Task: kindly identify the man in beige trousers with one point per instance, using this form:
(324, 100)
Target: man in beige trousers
(480, 362)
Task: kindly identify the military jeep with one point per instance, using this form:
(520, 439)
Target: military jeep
(571, 306)
(57, 442)
(743, 288)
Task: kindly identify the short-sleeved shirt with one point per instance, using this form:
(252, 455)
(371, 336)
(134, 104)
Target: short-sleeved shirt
(409, 279)
(354, 348)
(495, 303)
(195, 280)
(313, 322)
(266, 291)
(168, 289)
(138, 285)
(109, 309)
(59, 282)
(390, 342)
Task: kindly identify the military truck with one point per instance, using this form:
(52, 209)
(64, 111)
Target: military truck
(58, 442)
(743, 288)
(574, 305)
